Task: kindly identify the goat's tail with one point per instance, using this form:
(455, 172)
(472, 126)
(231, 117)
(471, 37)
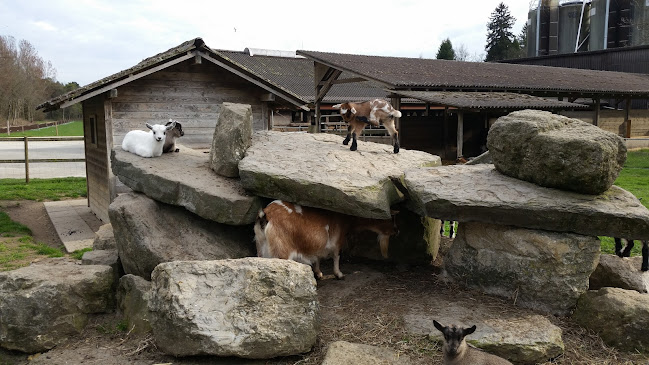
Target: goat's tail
(260, 234)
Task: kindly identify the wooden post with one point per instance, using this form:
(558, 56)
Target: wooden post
(596, 116)
(26, 160)
(627, 121)
(445, 132)
(460, 132)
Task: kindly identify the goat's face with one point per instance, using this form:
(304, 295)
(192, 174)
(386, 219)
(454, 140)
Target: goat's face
(178, 127)
(159, 131)
(453, 337)
(346, 111)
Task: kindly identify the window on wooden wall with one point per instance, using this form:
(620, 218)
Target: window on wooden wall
(92, 121)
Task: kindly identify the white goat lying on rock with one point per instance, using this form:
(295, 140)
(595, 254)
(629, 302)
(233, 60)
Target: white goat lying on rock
(458, 352)
(147, 144)
(289, 231)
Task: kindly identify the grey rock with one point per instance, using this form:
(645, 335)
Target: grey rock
(520, 336)
(148, 232)
(618, 272)
(482, 159)
(43, 305)
(620, 317)
(542, 270)
(100, 257)
(251, 308)
(317, 170)
(104, 238)
(556, 151)
(346, 353)
(185, 179)
(232, 137)
(133, 294)
(482, 194)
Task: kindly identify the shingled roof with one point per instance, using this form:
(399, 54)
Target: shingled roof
(488, 100)
(430, 74)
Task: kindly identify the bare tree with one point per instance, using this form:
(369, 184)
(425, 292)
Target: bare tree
(462, 53)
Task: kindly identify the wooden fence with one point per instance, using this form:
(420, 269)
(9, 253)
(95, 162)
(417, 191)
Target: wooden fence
(27, 160)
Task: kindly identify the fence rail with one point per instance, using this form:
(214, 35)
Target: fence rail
(27, 160)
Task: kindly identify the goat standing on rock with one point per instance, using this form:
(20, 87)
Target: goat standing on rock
(289, 231)
(623, 248)
(458, 352)
(147, 144)
(358, 115)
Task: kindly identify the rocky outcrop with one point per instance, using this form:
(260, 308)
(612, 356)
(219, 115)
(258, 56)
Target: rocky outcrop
(250, 308)
(133, 296)
(104, 238)
(185, 179)
(620, 317)
(317, 170)
(346, 353)
(232, 137)
(618, 272)
(555, 151)
(480, 193)
(542, 270)
(148, 232)
(43, 305)
(519, 336)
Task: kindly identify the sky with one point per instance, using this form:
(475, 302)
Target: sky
(87, 40)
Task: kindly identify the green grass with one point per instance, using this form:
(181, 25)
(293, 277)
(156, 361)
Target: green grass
(9, 228)
(68, 129)
(634, 178)
(78, 254)
(43, 189)
(16, 253)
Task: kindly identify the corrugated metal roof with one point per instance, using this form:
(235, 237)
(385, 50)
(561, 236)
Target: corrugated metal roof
(488, 100)
(403, 73)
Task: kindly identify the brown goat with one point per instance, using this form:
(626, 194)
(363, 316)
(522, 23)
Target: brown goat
(170, 138)
(373, 112)
(289, 231)
(458, 352)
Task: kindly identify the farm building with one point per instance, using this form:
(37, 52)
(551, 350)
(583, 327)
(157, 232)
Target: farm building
(447, 105)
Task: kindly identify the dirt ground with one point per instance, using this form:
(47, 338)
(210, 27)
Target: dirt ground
(367, 307)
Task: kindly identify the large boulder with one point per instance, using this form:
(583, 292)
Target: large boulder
(232, 137)
(542, 270)
(479, 193)
(43, 305)
(104, 238)
(555, 151)
(620, 317)
(519, 336)
(133, 295)
(618, 272)
(251, 308)
(185, 179)
(347, 353)
(317, 170)
(148, 232)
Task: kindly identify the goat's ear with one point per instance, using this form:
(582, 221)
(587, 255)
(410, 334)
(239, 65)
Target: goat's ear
(438, 326)
(353, 110)
(149, 126)
(468, 331)
(337, 106)
(171, 126)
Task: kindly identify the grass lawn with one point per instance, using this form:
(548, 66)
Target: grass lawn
(634, 177)
(68, 129)
(17, 247)
(43, 189)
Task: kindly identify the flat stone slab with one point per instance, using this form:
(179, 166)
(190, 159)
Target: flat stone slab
(73, 231)
(479, 193)
(317, 170)
(185, 179)
(519, 336)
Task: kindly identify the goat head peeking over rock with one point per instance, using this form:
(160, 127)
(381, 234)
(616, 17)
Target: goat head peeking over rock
(373, 112)
(458, 352)
(289, 231)
(147, 144)
(172, 135)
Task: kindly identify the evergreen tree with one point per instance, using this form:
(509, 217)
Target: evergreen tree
(446, 51)
(501, 42)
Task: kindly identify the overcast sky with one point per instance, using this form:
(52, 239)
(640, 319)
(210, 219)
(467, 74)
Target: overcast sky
(87, 40)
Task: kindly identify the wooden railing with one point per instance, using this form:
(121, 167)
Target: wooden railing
(27, 160)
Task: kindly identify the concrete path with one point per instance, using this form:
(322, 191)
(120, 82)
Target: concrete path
(71, 228)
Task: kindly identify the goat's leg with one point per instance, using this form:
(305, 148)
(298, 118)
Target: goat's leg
(452, 229)
(349, 135)
(645, 256)
(389, 125)
(627, 249)
(339, 275)
(316, 269)
(618, 246)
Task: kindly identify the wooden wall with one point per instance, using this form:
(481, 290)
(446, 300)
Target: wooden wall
(96, 142)
(191, 94)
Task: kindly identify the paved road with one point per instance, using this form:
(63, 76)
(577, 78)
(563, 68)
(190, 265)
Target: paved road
(42, 149)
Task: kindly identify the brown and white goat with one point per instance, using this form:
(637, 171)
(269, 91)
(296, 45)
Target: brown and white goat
(373, 112)
(289, 231)
(170, 138)
(458, 352)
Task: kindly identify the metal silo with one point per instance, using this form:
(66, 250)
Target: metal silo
(598, 24)
(573, 25)
(640, 22)
(532, 32)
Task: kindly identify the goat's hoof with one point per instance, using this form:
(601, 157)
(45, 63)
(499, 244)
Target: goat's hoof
(645, 269)
(341, 277)
(346, 142)
(354, 147)
(177, 150)
(396, 149)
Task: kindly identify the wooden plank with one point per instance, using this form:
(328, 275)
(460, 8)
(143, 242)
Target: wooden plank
(460, 133)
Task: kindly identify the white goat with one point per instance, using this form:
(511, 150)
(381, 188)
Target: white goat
(147, 144)
(458, 352)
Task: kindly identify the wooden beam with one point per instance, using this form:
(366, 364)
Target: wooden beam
(627, 120)
(121, 82)
(328, 83)
(460, 133)
(197, 60)
(597, 112)
(112, 94)
(348, 80)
